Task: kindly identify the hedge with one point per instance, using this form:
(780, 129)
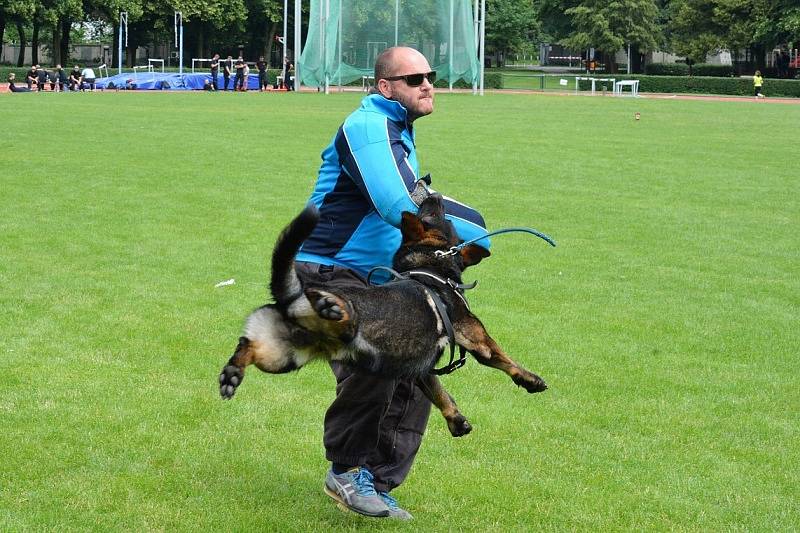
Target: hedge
(682, 69)
(707, 85)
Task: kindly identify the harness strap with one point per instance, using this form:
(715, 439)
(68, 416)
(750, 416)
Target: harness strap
(441, 309)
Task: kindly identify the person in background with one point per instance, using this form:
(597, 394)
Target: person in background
(214, 70)
(41, 78)
(227, 66)
(75, 79)
(287, 73)
(261, 65)
(58, 79)
(30, 77)
(13, 87)
(87, 77)
(758, 83)
(239, 79)
(246, 73)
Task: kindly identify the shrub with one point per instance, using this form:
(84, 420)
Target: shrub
(708, 85)
(707, 69)
(666, 69)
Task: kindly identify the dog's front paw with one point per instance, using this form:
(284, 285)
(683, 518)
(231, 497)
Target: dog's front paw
(230, 378)
(459, 426)
(530, 382)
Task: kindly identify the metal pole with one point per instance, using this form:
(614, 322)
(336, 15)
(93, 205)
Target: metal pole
(629, 58)
(297, 19)
(396, 19)
(483, 39)
(123, 22)
(450, 48)
(180, 45)
(477, 41)
(325, 62)
(285, 37)
(339, 39)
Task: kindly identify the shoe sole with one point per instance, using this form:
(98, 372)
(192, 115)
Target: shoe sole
(344, 507)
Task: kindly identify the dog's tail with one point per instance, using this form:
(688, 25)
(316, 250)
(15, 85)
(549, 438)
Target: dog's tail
(285, 284)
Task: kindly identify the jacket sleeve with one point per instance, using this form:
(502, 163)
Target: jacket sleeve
(373, 155)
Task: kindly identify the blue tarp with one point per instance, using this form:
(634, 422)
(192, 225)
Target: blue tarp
(170, 82)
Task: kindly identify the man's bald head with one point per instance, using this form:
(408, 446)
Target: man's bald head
(391, 59)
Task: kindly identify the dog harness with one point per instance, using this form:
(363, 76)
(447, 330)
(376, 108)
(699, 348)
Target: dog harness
(457, 288)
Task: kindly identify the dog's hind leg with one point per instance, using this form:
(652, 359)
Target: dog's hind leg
(266, 345)
(456, 422)
(337, 314)
(471, 335)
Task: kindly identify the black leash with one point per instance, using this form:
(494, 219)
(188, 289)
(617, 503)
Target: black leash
(441, 308)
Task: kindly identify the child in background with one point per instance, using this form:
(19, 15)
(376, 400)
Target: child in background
(758, 82)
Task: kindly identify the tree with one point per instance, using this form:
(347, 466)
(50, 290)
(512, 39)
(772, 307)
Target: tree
(605, 26)
(510, 25)
(18, 13)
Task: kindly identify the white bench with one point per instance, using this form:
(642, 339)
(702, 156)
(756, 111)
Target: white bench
(633, 84)
(594, 81)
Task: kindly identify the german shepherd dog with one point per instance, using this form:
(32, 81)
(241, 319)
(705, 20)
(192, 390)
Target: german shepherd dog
(395, 329)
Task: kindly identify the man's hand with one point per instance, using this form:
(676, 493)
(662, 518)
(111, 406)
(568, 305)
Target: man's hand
(422, 190)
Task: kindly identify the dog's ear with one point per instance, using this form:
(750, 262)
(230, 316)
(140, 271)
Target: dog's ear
(411, 227)
(472, 254)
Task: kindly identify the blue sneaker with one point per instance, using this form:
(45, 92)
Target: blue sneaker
(395, 511)
(354, 491)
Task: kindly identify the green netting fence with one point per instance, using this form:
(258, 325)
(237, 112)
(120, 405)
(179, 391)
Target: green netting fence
(346, 36)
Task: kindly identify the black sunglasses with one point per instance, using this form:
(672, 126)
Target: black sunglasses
(414, 80)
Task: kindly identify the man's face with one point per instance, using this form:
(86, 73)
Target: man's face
(418, 101)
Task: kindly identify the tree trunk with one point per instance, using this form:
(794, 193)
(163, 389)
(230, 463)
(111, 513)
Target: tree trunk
(115, 47)
(610, 61)
(267, 52)
(130, 55)
(63, 45)
(22, 43)
(2, 28)
(35, 42)
(55, 45)
(200, 43)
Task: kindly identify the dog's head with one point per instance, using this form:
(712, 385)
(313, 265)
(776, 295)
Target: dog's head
(429, 231)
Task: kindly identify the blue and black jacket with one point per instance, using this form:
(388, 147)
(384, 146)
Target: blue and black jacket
(364, 185)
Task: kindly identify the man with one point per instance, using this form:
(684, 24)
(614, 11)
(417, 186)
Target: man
(262, 73)
(41, 78)
(286, 75)
(31, 77)
(214, 71)
(58, 79)
(87, 77)
(374, 427)
(12, 86)
(75, 78)
(238, 81)
(227, 66)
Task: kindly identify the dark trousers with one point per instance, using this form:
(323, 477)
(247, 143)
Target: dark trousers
(374, 421)
(214, 80)
(238, 81)
(262, 80)
(226, 78)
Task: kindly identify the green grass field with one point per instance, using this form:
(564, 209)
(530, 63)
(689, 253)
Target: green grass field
(665, 322)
